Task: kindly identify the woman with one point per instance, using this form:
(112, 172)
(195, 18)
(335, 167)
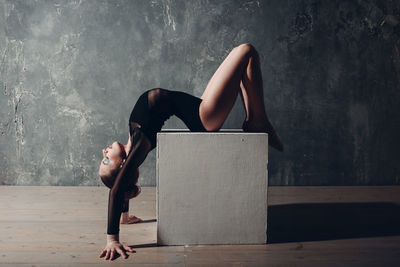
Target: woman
(239, 72)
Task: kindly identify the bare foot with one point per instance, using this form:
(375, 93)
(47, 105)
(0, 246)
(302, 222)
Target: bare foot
(130, 220)
(266, 127)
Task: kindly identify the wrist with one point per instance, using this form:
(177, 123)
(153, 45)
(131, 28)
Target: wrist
(112, 238)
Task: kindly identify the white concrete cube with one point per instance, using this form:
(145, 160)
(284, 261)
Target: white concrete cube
(211, 187)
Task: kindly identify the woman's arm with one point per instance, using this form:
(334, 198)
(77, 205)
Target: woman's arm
(141, 147)
(138, 153)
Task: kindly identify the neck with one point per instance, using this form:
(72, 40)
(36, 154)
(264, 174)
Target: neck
(127, 148)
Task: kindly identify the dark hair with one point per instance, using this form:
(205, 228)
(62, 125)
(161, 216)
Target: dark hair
(109, 179)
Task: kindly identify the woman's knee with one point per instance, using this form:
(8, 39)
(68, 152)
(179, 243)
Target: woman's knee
(247, 49)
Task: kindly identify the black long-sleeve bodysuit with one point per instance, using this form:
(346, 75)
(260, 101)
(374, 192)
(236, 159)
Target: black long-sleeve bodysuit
(150, 112)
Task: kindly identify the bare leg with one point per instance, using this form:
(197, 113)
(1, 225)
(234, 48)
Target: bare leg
(239, 72)
(252, 89)
(245, 100)
(222, 90)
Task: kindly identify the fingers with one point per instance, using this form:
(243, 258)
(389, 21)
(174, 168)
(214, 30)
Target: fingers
(112, 255)
(115, 252)
(107, 254)
(129, 249)
(103, 253)
(122, 253)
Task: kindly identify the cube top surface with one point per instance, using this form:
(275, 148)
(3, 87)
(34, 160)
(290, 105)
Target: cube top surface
(222, 131)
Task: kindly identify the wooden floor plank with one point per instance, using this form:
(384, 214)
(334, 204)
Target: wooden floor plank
(65, 226)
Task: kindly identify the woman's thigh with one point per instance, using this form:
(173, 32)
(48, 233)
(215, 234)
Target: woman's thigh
(222, 90)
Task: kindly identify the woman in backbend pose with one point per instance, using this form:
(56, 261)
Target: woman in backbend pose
(239, 73)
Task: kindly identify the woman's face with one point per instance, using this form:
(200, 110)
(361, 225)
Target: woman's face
(113, 157)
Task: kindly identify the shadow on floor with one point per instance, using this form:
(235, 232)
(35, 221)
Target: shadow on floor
(148, 221)
(326, 221)
(149, 245)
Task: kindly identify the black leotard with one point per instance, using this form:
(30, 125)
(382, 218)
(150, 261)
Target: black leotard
(155, 106)
(150, 112)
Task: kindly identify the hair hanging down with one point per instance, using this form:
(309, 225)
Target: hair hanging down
(134, 190)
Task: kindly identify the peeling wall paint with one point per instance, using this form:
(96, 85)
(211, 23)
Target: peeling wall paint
(71, 71)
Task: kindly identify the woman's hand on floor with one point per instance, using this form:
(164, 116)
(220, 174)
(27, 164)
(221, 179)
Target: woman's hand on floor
(113, 249)
(126, 219)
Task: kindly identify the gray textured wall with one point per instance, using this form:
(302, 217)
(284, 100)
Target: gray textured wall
(70, 72)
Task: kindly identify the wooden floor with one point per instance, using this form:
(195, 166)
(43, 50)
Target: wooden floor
(307, 226)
